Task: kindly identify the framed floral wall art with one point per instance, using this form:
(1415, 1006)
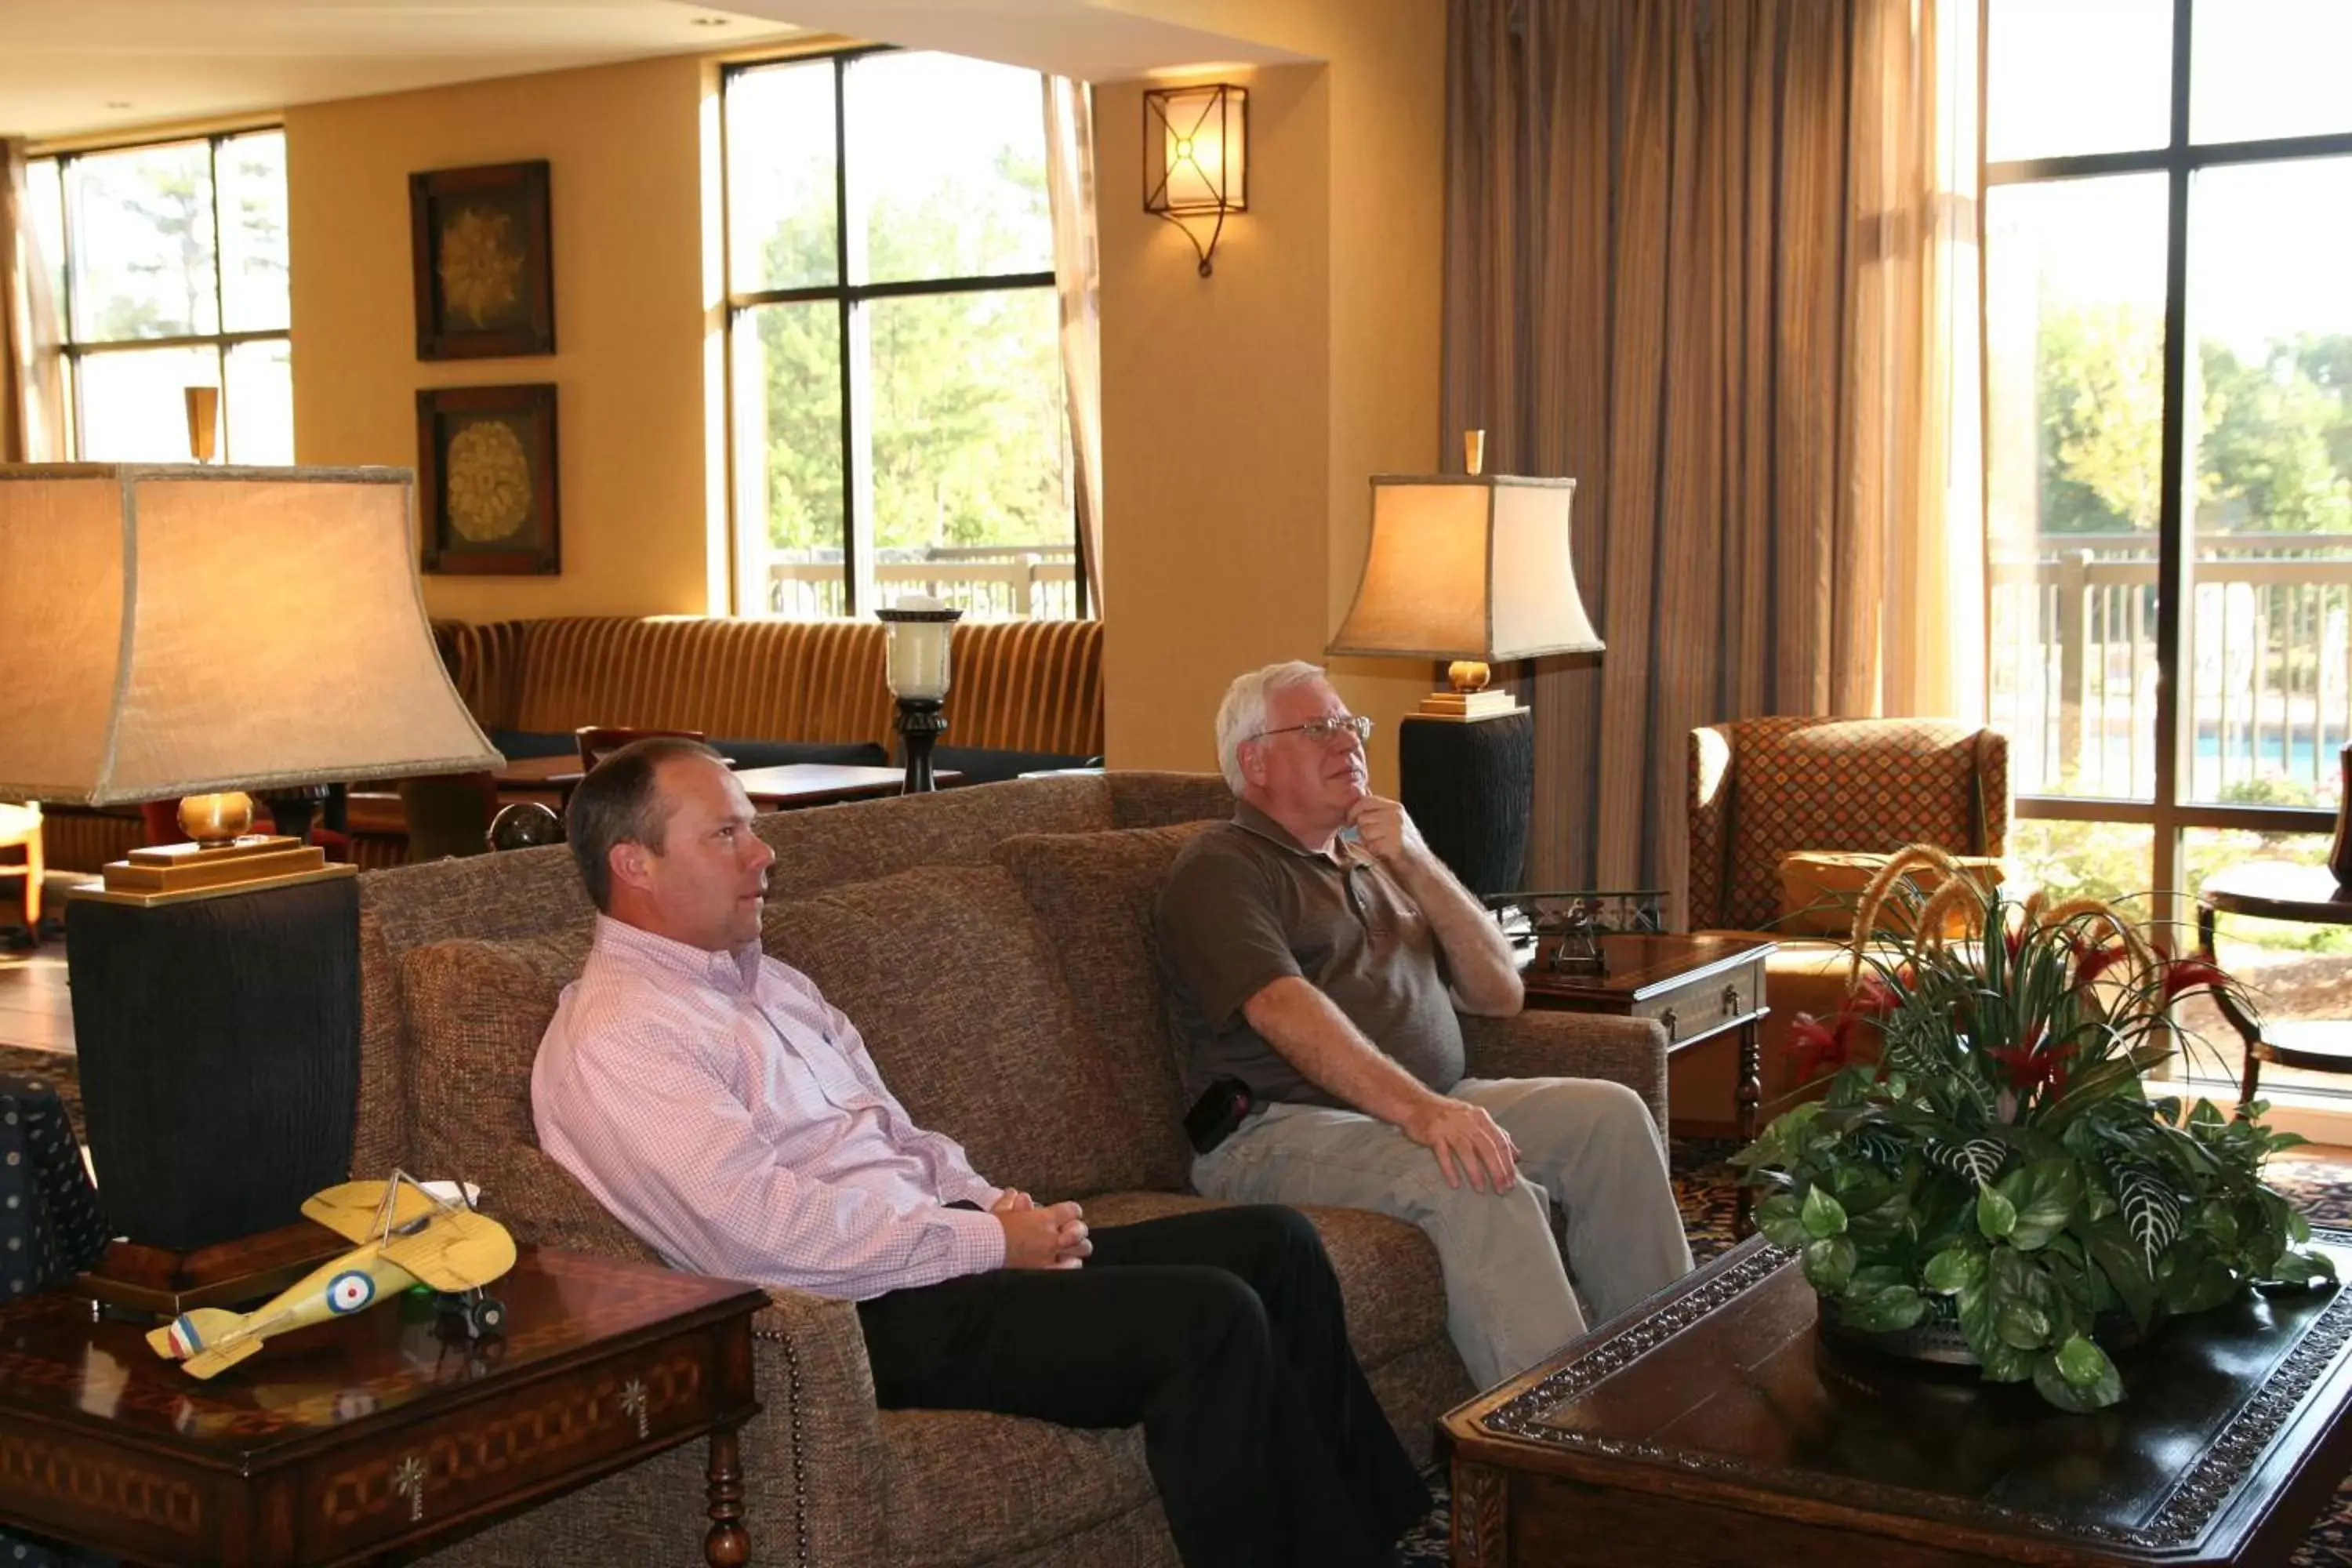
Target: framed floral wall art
(485, 270)
(486, 480)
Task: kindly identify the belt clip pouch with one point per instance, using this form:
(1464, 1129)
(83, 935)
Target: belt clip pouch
(1217, 1113)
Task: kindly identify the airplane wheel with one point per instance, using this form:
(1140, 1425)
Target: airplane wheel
(487, 1316)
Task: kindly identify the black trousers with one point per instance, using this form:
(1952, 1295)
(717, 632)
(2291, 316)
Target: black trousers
(1221, 1332)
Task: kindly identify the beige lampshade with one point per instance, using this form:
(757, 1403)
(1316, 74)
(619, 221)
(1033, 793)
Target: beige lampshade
(1468, 567)
(169, 631)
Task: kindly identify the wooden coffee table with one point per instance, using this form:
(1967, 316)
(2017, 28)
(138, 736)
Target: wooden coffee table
(1697, 986)
(1711, 1427)
(382, 1433)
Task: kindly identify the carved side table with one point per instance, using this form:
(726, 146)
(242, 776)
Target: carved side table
(1699, 987)
(384, 1433)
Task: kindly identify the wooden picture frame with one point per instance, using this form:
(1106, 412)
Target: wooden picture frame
(484, 264)
(486, 468)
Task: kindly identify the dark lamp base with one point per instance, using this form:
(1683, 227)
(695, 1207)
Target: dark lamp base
(1470, 788)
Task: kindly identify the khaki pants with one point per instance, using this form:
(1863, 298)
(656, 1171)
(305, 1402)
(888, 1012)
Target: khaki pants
(1588, 1146)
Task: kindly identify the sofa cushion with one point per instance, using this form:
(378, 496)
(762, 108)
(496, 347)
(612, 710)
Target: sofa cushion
(948, 978)
(1387, 1270)
(992, 1487)
(476, 1010)
(1822, 889)
(1094, 894)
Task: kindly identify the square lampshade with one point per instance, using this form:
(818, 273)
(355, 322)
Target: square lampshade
(1468, 567)
(1196, 149)
(173, 631)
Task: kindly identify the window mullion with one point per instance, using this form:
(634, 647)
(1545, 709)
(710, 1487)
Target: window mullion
(2172, 619)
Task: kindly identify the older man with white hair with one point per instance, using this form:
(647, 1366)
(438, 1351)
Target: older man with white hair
(1317, 952)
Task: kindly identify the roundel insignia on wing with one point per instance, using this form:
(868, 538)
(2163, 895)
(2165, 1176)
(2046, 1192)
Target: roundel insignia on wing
(348, 1291)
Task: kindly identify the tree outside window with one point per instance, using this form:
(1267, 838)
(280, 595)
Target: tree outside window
(898, 418)
(168, 266)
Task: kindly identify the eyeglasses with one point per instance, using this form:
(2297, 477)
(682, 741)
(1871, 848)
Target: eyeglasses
(1324, 732)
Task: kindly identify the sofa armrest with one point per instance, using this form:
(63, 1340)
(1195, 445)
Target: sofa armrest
(1539, 1043)
(817, 1469)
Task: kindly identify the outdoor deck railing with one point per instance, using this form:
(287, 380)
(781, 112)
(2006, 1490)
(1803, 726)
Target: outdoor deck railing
(986, 582)
(2074, 670)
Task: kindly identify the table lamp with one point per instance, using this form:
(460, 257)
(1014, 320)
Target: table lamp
(1471, 568)
(199, 632)
(920, 630)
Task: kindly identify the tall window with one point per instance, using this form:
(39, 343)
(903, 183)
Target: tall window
(168, 264)
(898, 418)
(2168, 391)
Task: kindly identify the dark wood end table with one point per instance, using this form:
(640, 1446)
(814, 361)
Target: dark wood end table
(1697, 986)
(383, 1432)
(2275, 890)
(1711, 1427)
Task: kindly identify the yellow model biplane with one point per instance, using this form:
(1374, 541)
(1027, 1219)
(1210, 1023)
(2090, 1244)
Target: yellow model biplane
(405, 1235)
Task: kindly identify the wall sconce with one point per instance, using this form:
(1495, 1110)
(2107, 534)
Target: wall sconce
(1196, 157)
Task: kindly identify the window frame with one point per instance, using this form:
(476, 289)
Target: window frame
(849, 300)
(2180, 160)
(70, 347)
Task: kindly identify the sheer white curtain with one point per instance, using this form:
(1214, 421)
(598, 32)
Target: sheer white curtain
(1077, 284)
(1918, 224)
(32, 383)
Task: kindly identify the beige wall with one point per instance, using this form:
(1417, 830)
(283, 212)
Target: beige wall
(627, 202)
(1244, 413)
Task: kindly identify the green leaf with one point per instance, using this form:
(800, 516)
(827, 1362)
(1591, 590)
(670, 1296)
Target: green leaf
(1996, 1215)
(1954, 1269)
(2077, 1377)
(1779, 1218)
(1829, 1264)
(1822, 1214)
(2022, 1324)
(2043, 1196)
(1882, 1311)
(2299, 1267)
(2081, 1363)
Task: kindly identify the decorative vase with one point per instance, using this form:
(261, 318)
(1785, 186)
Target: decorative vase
(2339, 858)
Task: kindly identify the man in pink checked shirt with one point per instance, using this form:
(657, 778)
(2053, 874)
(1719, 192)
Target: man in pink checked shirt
(711, 1098)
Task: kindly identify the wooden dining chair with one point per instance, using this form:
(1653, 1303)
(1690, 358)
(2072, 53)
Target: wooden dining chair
(20, 828)
(598, 741)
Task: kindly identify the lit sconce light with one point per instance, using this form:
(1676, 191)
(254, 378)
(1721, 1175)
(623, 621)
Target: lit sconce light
(1196, 158)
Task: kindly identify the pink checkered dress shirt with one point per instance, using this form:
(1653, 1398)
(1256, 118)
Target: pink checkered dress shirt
(733, 1117)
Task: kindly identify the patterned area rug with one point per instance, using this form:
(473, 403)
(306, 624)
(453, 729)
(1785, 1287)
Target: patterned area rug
(1703, 1185)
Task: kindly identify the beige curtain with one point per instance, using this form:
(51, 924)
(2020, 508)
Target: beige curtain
(1077, 283)
(32, 383)
(1707, 258)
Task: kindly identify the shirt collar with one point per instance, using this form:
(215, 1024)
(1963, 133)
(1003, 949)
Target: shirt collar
(734, 970)
(1251, 819)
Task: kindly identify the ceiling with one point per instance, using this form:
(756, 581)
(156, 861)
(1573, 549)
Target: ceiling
(68, 67)
(75, 67)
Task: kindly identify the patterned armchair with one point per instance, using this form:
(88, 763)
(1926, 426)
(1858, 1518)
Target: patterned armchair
(1763, 788)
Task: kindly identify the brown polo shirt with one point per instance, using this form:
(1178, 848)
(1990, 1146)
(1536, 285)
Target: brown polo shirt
(1245, 905)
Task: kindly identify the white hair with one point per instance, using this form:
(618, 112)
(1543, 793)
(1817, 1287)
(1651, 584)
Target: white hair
(1242, 714)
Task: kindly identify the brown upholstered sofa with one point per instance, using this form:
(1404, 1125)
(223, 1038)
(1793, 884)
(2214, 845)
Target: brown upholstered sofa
(1027, 692)
(994, 943)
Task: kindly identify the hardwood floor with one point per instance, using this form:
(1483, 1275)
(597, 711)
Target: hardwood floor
(36, 1009)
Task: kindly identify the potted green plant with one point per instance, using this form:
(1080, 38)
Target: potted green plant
(2001, 1172)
